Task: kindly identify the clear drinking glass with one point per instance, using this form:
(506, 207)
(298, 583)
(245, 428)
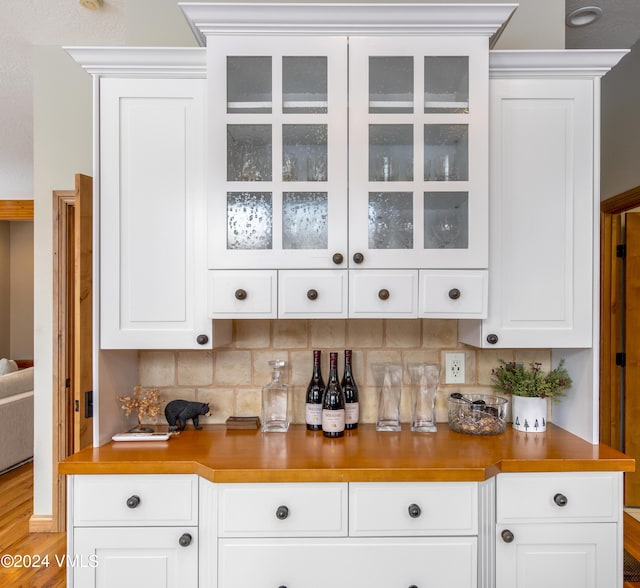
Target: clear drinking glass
(424, 388)
(275, 401)
(388, 379)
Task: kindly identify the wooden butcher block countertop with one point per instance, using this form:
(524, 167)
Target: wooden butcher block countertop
(363, 455)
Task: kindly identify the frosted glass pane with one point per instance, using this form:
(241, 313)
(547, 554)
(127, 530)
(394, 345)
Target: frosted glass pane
(446, 220)
(304, 220)
(249, 84)
(248, 153)
(304, 85)
(446, 84)
(446, 153)
(390, 153)
(390, 220)
(304, 153)
(249, 220)
(391, 84)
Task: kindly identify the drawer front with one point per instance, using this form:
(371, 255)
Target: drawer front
(441, 508)
(453, 294)
(242, 294)
(119, 500)
(282, 510)
(359, 563)
(317, 294)
(569, 497)
(376, 294)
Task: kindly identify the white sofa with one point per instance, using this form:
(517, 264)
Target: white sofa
(16, 418)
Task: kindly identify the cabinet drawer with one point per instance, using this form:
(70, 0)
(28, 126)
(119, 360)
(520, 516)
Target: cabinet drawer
(315, 294)
(242, 294)
(110, 501)
(273, 510)
(569, 497)
(453, 294)
(442, 562)
(413, 509)
(377, 294)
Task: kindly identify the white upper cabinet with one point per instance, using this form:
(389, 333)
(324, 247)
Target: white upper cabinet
(418, 163)
(544, 169)
(361, 146)
(150, 198)
(277, 164)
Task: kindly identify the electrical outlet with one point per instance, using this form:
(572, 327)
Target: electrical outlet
(454, 368)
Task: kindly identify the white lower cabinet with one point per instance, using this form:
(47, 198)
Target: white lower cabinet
(531, 530)
(434, 562)
(559, 530)
(163, 557)
(133, 530)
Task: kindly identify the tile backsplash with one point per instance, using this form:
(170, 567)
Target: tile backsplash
(230, 378)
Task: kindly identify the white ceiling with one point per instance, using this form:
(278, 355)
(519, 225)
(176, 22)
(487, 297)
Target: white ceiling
(28, 23)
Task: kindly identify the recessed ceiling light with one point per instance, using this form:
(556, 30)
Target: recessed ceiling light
(92, 4)
(581, 17)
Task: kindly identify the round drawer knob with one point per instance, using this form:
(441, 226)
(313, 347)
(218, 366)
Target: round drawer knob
(282, 512)
(384, 294)
(560, 499)
(507, 536)
(492, 338)
(454, 293)
(413, 586)
(240, 294)
(358, 257)
(414, 511)
(312, 294)
(185, 539)
(133, 501)
(202, 339)
(338, 258)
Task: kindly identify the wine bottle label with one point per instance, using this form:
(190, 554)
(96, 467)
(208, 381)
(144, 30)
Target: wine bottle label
(313, 414)
(351, 413)
(333, 420)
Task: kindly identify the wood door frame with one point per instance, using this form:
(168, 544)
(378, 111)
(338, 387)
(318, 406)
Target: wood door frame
(611, 309)
(64, 202)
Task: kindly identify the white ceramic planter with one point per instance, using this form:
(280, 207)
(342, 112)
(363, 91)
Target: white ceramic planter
(529, 414)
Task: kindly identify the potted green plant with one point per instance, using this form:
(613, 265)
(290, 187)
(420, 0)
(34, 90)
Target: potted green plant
(530, 388)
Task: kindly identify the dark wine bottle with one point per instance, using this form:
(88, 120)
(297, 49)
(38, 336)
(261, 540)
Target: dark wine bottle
(315, 391)
(350, 390)
(333, 402)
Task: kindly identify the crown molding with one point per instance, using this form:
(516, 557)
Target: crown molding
(591, 63)
(182, 62)
(253, 18)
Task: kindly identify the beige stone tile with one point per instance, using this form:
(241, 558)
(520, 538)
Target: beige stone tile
(221, 403)
(232, 368)
(252, 334)
(328, 334)
(488, 359)
(297, 397)
(439, 333)
(290, 334)
(368, 404)
(248, 402)
(365, 333)
(403, 333)
(528, 356)
(195, 368)
(421, 356)
(156, 368)
(301, 367)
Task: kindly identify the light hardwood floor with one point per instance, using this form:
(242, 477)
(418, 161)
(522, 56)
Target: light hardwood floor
(24, 555)
(16, 506)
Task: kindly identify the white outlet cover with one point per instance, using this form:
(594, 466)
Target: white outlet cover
(454, 368)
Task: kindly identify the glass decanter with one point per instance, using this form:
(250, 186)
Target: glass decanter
(275, 401)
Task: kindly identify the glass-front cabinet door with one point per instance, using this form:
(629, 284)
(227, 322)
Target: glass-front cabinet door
(278, 152)
(418, 167)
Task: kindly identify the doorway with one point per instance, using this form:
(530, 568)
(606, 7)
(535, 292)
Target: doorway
(72, 330)
(620, 330)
